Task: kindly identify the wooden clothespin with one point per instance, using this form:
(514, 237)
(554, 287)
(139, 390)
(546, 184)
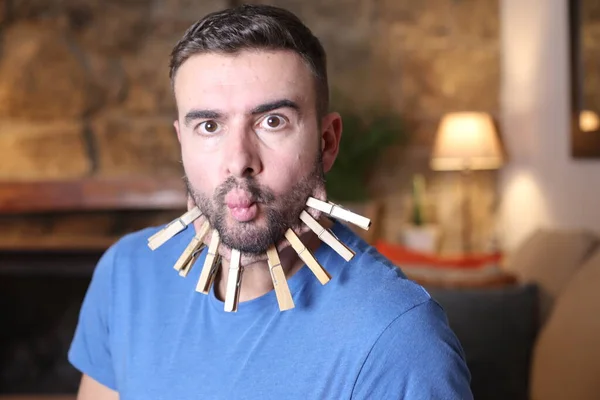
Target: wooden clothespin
(327, 236)
(308, 258)
(188, 266)
(189, 255)
(211, 264)
(234, 280)
(282, 290)
(338, 212)
(173, 228)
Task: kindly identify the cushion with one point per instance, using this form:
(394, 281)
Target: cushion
(549, 258)
(486, 276)
(473, 270)
(401, 255)
(496, 328)
(566, 363)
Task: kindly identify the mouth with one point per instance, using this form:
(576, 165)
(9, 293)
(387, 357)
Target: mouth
(243, 212)
(242, 206)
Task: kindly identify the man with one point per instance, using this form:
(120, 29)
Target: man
(256, 138)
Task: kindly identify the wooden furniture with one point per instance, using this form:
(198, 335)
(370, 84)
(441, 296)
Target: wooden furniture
(91, 194)
(583, 74)
(39, 397)
(25, 202)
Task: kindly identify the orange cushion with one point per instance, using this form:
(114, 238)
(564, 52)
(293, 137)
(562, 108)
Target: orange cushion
(401, 255)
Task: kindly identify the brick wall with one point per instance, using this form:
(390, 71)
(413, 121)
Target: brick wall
(443, 56)
(420, 59)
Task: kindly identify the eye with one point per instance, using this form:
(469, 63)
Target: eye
(273, 122)
(209, 127)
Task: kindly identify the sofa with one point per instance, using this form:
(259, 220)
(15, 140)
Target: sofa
(565, 266)
(535, 336)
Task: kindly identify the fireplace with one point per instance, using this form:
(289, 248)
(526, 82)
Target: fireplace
(52, 234)
(40, 296)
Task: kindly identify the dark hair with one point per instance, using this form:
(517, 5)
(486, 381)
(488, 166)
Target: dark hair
(255, 27)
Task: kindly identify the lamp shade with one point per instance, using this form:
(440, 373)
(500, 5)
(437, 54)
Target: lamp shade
(466, 140)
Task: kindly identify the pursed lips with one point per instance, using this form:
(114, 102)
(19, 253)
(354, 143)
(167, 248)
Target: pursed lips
(241, 205)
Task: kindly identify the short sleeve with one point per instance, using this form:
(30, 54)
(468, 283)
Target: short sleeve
(90, 349)
(416, 357)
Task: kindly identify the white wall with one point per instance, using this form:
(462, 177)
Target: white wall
(541, 186)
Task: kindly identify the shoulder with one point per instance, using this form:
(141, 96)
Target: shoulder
(417, 356)
(369, 295)
(130, 261)
(412, 351)
(134, 246)
(134, 242)
(375, 282)
(395, 327)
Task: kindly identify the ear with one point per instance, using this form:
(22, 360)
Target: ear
(331, 134)
(176, 126)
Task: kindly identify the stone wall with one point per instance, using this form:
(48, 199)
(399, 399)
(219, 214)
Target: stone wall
(84, 87)
(89, 79)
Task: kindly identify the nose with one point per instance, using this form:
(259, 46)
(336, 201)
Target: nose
(242, 154)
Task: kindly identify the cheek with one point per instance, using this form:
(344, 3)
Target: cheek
(199, 169)
(286, 170)
(291, 162)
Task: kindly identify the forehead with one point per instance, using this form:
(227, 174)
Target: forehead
(242, 80)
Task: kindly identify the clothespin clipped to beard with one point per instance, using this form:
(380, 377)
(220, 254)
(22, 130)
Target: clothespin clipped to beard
(191, 252)
(339, 212)
(211, 265)
(282, 290)
(327, 236)
(307, 257)
(173, 228)
(234, 280)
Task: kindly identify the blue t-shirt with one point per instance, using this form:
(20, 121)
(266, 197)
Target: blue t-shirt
(367, 334)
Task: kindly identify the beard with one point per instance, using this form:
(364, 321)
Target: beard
(280, 212)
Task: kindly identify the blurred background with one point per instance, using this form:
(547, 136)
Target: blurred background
(471, 139)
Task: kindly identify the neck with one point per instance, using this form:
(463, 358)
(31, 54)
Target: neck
(256, 278)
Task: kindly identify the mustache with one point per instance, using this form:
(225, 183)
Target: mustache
(258, 193)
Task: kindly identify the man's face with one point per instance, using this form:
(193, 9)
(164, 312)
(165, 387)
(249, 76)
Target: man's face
(250, 142)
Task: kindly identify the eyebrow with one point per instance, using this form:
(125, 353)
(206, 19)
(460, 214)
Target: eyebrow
(193, 115)
(274, 105)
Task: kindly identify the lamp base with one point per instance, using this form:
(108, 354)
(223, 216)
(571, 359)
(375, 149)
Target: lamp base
(422, 238)
(467, 222)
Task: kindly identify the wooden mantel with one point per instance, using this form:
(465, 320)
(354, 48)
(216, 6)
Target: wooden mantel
(92, 194)
(38, 397)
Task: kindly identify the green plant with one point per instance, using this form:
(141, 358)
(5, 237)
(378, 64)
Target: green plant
(365, 136)
(418, 193)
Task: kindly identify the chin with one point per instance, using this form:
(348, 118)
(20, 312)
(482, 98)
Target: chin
(247, 259)
(258, 225)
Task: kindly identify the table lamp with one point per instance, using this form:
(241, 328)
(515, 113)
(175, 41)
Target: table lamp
(589, 121)
(466, 141)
